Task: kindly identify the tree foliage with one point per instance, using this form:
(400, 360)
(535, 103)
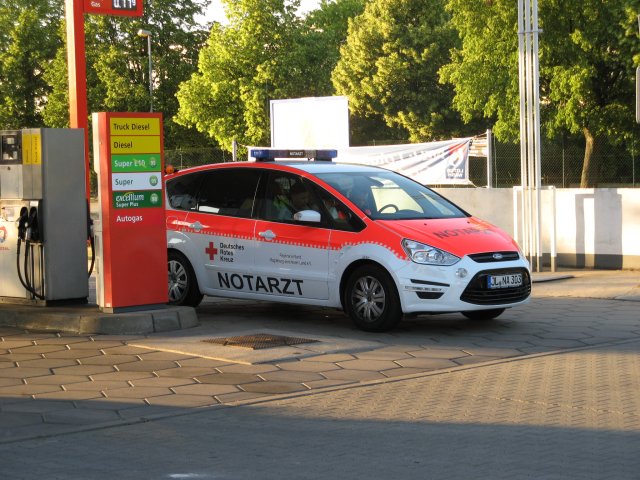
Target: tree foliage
(587, 62)
(28, 43)
(389, 65)
(117, 64)
(324, 31)
(266, 52)
(243, 65)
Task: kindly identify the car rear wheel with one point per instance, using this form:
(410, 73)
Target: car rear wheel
(371, 299)
(484, 314)
(183, 285)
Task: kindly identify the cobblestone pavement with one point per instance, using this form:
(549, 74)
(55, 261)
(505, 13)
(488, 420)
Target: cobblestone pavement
(52, 384)
(572, 415)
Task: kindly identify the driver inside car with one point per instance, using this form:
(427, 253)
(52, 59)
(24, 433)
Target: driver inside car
(296, 201)
(361, 196)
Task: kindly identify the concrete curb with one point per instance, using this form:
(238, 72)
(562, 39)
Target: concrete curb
(87, 319)
(631, 296)
(549, 277)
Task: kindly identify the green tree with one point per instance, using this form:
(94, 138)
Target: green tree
(389, 65)
(28, 43)
(323, 32)
(587, 53)
(244, 65)
(117, 64)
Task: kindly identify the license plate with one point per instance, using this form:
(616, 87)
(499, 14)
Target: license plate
(504, 281)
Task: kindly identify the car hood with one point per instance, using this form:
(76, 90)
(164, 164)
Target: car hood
(459, 236)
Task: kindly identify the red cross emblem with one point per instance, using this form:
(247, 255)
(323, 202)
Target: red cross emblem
(211, 251)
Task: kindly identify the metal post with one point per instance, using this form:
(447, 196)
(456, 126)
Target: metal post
(530, 146)
(530, 129)
(516, 220)
(147, 33)
(77, 71)
(536, 135)
(489, 159)
(553, 233)
(523, 126)
(633, 163)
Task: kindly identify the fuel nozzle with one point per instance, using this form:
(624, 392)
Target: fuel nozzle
(33, 229)
(23, 221)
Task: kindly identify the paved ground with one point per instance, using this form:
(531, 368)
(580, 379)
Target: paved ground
(548, 390)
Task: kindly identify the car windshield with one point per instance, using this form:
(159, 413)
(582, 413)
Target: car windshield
(386, 195)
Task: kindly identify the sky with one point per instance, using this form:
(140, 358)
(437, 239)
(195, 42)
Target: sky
(216, 12)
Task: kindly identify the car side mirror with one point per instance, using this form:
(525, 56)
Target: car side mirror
(310, 216)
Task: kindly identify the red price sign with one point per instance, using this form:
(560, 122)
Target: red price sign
(129, 8)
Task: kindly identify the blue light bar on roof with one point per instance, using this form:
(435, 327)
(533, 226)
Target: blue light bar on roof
(267, 154)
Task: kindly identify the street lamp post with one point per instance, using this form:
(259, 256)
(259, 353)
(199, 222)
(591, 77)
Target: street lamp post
(147, 33)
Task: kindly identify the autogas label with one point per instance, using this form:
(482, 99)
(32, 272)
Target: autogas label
(141, 162)
(136, 181)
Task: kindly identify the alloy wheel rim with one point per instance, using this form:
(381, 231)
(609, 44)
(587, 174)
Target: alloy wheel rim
(368, 299)
(177, 281)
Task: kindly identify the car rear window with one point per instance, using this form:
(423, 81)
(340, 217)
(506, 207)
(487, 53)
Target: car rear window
(228, 191)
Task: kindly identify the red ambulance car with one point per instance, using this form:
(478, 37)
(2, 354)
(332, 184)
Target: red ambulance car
(310, 231)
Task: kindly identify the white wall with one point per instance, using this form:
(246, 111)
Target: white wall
(595, 227)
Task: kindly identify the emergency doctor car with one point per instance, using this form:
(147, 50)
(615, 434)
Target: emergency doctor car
(310, 231)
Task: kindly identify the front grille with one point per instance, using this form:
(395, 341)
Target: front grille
(491, 257)
(478, 293)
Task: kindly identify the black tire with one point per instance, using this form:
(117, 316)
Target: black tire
(484, 314)
(371, 299)
(183, 285)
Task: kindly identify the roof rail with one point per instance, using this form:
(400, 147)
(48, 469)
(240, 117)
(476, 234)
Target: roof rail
(269, 155)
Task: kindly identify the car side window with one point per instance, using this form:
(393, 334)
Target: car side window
(338, 215)
(285, 195)
(229, 191)
(182, 191)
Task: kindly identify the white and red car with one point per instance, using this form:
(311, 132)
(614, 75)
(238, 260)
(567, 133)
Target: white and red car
(315, 232)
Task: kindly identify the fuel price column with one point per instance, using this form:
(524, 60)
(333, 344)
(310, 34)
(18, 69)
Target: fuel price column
(131, 236)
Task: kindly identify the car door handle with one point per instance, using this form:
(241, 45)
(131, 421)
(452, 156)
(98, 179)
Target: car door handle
(268, 235)
(197, 226)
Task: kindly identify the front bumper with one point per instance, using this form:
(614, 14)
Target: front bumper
(461, 287)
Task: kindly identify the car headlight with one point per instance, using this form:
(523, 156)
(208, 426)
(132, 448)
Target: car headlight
(428, 255)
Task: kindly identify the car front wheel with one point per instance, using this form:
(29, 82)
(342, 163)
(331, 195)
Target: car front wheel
(371, 299)
(183, 285)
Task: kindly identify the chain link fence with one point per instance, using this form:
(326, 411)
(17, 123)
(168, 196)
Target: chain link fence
(193, 157)
(619, 165)
(561, 164)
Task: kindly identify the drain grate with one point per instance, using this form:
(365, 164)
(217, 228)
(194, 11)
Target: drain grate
(259, 341)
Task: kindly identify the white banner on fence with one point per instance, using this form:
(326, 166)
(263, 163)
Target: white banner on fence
(433, 163)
